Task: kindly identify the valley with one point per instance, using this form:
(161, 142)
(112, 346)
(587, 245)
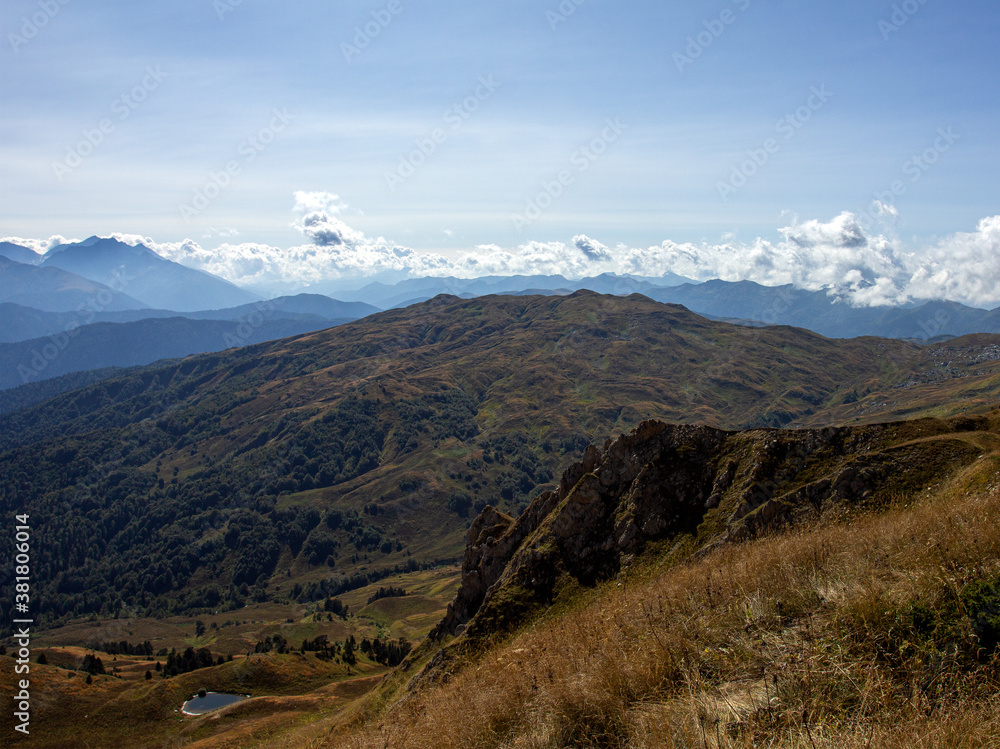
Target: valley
(225, 499)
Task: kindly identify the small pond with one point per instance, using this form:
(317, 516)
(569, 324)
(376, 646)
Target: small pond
(205, 702)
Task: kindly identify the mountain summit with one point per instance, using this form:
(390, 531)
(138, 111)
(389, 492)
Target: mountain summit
(141, 273)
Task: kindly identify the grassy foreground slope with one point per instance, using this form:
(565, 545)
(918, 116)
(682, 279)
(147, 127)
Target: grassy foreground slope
(291, 691)
(873, 622)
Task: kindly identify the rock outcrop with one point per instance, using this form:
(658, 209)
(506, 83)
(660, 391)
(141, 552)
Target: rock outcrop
(693, 486)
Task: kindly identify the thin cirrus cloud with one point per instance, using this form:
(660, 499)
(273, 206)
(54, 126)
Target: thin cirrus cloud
(840, 255)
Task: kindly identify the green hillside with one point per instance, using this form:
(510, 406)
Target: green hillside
(293, 471)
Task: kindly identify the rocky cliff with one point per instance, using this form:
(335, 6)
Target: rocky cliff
(686, 489)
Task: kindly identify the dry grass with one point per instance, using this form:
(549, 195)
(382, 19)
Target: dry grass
(816, 638)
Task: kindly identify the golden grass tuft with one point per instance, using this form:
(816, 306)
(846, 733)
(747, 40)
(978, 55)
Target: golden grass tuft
(842, 635)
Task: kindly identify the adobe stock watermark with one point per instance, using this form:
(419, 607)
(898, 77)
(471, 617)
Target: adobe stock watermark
(33, 25)
(714, 28)
(86, 313)
(914, 169)
(786, 127)
(250, 322)
(580, 161)
(23, 621)
(249, 150)
(363, 35)
(933, 326)
(562, 12)
(223, 8)
(453, 119)
(122, 107)
(900, 16)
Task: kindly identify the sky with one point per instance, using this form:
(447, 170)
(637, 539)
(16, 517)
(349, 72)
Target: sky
(282, 144)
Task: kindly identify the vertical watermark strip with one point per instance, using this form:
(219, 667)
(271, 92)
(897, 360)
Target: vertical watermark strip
(22, 623)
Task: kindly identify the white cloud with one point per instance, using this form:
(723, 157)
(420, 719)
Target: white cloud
(318, 222)
(226, 232)
(134, 239)
(267, 267)
(41, 246)
(840, 256)
(533, 258)
(591, 247)
(963, 267)
(886, 210)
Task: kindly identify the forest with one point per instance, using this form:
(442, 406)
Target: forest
(118, 533)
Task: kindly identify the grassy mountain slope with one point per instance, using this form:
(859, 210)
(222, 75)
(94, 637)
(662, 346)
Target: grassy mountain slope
(289, 470)
(683, 586)
(291, 690)
(855, 604)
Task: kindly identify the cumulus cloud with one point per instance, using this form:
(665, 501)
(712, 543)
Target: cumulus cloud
(226, 232)
(535, 258)
(41, 246)
(333, 251)
(837, 256)
(840, 256)
(963, 267)
(133, 239)
(885, 210)
(318, 219)
(591, 248)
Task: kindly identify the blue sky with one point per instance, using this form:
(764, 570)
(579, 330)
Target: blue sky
(213, 75)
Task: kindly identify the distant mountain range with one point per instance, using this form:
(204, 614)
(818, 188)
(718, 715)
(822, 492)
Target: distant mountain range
(19, 253)
(826, 315)
(744, 302)
(61, 347)
(106, 282)
(130, 344)
(20, 323)
(140, 272)
(415, 290)
(52, 289)
(68, 311)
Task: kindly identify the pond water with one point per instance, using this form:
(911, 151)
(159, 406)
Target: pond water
(199, 705)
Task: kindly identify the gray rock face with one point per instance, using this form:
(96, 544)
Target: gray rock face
(645, 484)
(664, 482)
